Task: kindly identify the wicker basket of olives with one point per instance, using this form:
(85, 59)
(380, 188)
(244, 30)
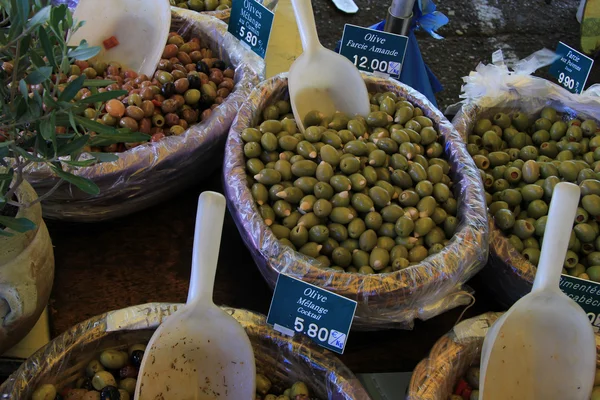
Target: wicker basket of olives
(185, 109)
(101, 354)
(523, 146)
(451, 371)
(387, 210)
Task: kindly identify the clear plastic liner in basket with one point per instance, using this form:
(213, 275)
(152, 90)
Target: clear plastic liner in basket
(390, 300)
(497, 88)
(282, 359)
(152, 172)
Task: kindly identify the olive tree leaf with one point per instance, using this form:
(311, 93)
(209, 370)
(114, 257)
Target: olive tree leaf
(80, 163)
(100, 97)
(83, 51)
(17, 224)
(83, 184)
(120, 137)
(105, 157)
(93, 125)
(39, 75)
(89, 83)
(22, 10)
(27, 155)
(72, 146)
(72, 89)
(40, 18)
(47, 46)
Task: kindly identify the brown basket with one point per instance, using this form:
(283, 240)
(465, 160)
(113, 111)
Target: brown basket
(281, 358)
(508, 275)
(434, 378)
(384, 300)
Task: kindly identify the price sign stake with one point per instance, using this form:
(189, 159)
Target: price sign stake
(251, 23)
(374, 51)
(323, 316)
(571, 69)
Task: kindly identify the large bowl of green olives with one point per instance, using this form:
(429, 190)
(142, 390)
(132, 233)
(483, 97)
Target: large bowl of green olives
(387, 210)
(184, 111)
(523, 147)
(99, 358)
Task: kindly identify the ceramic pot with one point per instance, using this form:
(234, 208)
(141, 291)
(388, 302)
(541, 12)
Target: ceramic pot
(26, 273)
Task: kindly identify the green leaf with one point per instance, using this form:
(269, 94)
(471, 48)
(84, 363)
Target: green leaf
(22, 10)
(83, 51)
(5, 233)
(82, 163)
(105, 157)
(73, 146)
(94, 126)
(6, 143)
(17, 224)
(23, 87)
(56, 16)
(27, 155)
(36, 59)
(65, 65)
(97, 82)
(72, 122)
(48, 128)
(49, 101)
(6, 177)
(47, 46)
(72, 89)
(120, 137)
(39, 75)
(40, 18)
(103, 96)
(83, 184)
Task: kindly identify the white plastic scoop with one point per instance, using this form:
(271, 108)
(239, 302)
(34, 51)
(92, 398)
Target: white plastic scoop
(321, 79)
(200, 352)
(141, 28)
(543, 347)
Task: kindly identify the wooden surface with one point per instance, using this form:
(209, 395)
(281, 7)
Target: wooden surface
(146, 257)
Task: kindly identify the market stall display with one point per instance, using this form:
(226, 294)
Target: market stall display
(525, 136)
(151, 172)
(451, 371)
(284, 361)
(334, 222)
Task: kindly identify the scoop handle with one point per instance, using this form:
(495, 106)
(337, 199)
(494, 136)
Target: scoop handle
(305, 19)
(207, 240)
(563, 208)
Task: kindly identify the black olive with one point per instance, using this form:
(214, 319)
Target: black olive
(87, 384)
(168, 89)
(110, 393)
(194, 81)
(136, 358)
(58, 397)
(205, 102)
(201, 66)
(220, 64)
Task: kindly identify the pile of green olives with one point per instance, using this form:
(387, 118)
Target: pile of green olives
(521, 161)
(202, 5)
(366, 195)
(113, 376)
(467, 387)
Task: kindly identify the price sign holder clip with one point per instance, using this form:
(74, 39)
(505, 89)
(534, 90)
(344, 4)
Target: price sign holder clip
(323, 316)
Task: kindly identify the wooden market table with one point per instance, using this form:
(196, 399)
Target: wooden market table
(146, 257)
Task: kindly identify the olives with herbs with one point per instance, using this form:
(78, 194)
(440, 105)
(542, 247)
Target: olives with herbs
(378, 197)
(531, 157)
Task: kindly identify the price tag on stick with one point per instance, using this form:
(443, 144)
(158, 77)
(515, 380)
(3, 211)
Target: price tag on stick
(374, 51)
(571, 69)
(251, 23)
(323, 316)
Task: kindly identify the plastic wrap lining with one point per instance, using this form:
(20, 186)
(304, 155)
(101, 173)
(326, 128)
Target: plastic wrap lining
(149, 173)
(508, 275)
(282, 359)
(434, 377)
(390, 300)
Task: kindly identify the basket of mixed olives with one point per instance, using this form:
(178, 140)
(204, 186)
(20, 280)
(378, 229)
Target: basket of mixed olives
(100, 359)
(386, 209)
(185, 108)
(451, 371)
(523, 147)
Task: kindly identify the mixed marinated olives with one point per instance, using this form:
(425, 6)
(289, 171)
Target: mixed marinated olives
(188, 84)
(467, 387)
(521, 160)
(112, 376)
(202, 5)
(367, 195)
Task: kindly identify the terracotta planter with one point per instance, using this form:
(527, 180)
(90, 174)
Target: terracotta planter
(26, 274)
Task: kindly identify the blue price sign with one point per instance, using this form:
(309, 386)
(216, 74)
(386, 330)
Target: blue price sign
(374, 51)
(323, 316)
(251, 23)
(571, 69)
(586, 294)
